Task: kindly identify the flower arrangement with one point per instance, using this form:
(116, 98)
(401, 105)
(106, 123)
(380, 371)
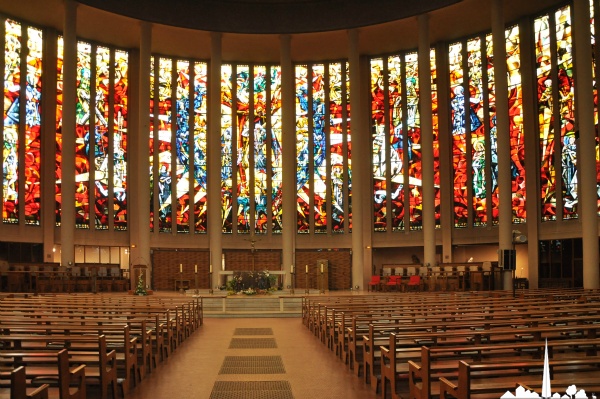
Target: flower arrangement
(252, 283)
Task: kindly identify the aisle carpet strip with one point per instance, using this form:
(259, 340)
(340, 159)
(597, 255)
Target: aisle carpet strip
(252, 365)
(252, 390)
(253, 331)
(252, 343)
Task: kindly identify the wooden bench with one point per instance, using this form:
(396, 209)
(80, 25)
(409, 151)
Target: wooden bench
(477, 379)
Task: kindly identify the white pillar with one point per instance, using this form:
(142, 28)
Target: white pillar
(361, 269)
(289, 155)
(587, 144)
(215, 233)
(140, 227)
(427, 141)
(503, 133)
(67, 226)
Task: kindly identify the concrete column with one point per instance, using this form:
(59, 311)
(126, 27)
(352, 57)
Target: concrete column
(214, 207)
(361, 269)
(67, 226)
(49, 145)
(140, 225)
(288, 123)
(427, 141)
(531, 143)
(586, 146)
(503, 133)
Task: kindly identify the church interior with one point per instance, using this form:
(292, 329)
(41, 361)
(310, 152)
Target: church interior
(329, 198)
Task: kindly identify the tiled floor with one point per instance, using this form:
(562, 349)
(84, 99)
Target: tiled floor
(193, 369)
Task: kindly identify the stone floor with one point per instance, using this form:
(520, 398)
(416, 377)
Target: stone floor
(194, 368)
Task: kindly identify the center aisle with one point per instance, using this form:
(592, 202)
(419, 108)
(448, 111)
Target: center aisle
(193, 371)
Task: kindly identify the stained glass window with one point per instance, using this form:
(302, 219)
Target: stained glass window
(32, 197)
(517, 137)
(319, 148)
(436, 140)
(459, 145)
(276, 151)
(302, 150)
(413, 135)
(337, 88)
(13, 47)
(58, 132)
(555, 103)
(595, 78)
(165, 134)
(227, 147)
(182, 147)
(566, 110)
(379, 146)
(152, 134)
(260, 149)
(120, 131)
(348, 125)
(477, 129)
(243, 148)
(492, 191)
(200, 138)
(82, 136)
(102, 118)
(396, 140)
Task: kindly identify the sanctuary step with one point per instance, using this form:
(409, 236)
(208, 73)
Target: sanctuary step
(275, 305)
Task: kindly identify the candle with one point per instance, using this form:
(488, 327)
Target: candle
(292, 269)
(321, 268)
(210, 269)
(195, 268)
(180, 268)
(306, 268)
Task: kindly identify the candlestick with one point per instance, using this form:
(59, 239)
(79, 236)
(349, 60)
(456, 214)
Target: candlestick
(210, 269)
(321, 268)
(292, 269)
(180, 268)
(195, 268)
(306, 268)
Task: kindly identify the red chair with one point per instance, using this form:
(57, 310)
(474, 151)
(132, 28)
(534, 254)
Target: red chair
(394, 281)
(375, 281)
(415, 282)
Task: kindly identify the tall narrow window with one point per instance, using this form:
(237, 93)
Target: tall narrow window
(337, 89)
(243, 148)
(153, 126)
(396, 140)
(319, 148)
(555, 104)
(82, 135)
(200, 138)
(120, 139)
(436, 140)
(165, 151)
(259, 126)
(302, 150)
(477, 129)
(276, 151)
(517, 136)
(413, 135)
(13, 48)
(459, 144)
(182, 146)
(227, 141)
(102, 119)
(379, 147)
(593, 21)
(58, 133)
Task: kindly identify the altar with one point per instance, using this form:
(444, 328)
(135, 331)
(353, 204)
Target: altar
(256, 280)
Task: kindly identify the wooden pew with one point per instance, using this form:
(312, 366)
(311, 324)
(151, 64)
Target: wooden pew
(434, 362)
(476, 379)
